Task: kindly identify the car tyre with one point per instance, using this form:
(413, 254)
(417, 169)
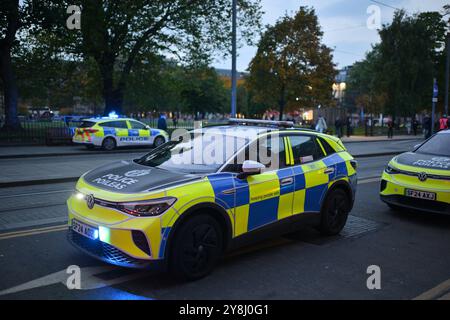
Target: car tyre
(197, 247)
(334, 212)
(159, 140)
(109, 144)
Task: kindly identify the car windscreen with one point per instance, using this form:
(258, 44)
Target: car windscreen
(437, 145)
(198, 153)
(86, 124)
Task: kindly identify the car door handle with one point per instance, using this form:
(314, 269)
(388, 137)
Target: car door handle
(287, 181)
(329, 170)
(229, 191)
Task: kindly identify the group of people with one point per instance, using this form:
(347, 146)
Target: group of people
(339, 124)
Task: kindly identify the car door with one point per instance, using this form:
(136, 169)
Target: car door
(138, 132)
(311, 174)
(264, 198)
(121, 132)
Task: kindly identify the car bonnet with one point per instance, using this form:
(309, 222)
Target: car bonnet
(424, 162)
(130, 177)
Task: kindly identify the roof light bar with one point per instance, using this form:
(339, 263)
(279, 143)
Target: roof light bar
(284, 124)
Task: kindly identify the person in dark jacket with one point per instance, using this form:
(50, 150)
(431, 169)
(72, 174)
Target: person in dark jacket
(162, 123)
(338, 125)
(415, 124)
(427, 126)
(349, 126)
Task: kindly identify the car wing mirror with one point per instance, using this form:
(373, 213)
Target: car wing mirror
(251, 167)
(147, 127)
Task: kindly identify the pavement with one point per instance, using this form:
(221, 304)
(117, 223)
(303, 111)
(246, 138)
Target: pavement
(410, 249)
(13, 152)
(43, 165)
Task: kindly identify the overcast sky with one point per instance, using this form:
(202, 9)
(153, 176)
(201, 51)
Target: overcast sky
(344, 23)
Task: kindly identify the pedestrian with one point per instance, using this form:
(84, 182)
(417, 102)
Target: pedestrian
(427, 126)
(162, 123)
(408, 126)
(415, 124)
(390, 125)
(321, 125)
(443, 122)
(349, 126)
(338, 126)
(174, 120)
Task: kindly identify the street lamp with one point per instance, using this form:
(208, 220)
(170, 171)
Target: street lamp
(233, 59)
(447, 70)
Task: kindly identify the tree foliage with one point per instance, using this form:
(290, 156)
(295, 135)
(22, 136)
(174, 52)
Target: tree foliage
(117, 34)
(292, 66)
(397, 75)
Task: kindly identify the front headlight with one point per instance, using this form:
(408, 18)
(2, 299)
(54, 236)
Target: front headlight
(389, 169)
(146, 208)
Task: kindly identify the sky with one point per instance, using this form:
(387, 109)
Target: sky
(344, 23)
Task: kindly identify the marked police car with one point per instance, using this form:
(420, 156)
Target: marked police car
(112, 132)
(420, 180)
(177, 209)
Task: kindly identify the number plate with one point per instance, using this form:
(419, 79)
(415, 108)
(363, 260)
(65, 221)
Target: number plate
(84, 229)
(420, 194)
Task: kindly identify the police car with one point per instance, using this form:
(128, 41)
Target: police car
(112, 132)
(185, 203)
(420, 179)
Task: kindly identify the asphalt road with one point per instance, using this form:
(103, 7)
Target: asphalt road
(410, 248)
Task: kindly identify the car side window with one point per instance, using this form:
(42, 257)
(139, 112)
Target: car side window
(305, 149)
(261, 150)
(272, 148)
(328, 149)
(137, 125)
(115, 124)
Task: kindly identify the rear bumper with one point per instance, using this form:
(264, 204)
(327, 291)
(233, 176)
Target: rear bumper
(94, 141)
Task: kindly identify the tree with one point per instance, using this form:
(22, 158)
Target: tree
(203, 91)
(409, 53)
(10, 23)
(364, 82)
(292, 66)
(117, 33)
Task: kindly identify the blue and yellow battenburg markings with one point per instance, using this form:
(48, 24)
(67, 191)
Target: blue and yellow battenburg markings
(262, 199)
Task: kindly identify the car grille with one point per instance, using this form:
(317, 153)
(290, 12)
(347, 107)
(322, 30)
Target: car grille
(104, 251)
(416, 174)
(420, 204)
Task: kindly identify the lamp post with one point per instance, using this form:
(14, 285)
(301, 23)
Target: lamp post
(447, 71)
(233, 59)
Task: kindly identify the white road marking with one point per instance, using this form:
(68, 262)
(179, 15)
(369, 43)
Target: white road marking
(441, 292)
(89, 280)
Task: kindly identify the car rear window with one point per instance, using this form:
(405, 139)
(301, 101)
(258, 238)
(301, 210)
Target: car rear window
(115, 124)
(87, 124)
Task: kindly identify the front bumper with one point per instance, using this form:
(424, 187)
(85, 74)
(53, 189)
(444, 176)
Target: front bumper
(393, 191)
(417, 204)
(121, 240)
(105, 252)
